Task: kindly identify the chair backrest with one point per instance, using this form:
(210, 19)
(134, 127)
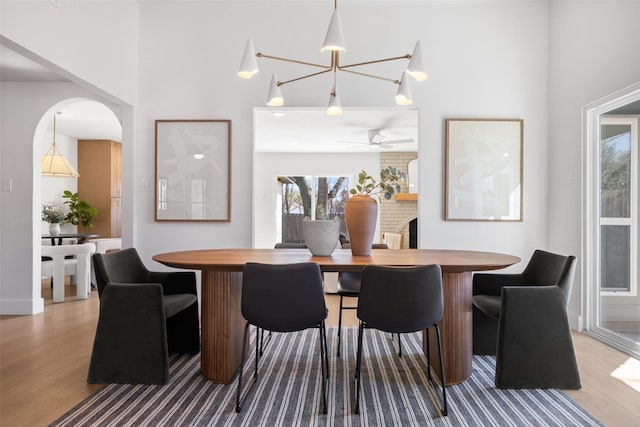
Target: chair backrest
(82, 253)
(107, 244)
(546, 268)
(64, 250)
(401, 299)
(290, 246)
(124, 266)
(283, 297)
(351, 279)
(373, 246)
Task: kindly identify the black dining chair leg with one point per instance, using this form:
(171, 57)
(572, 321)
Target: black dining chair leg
(426, 341)
(358, 354)
(444, 390)
(358, 367)
(399, 346)
(244, 347)
(258, 353)
(262, 341)
(326, 350)
(339, 326)
(324, 368)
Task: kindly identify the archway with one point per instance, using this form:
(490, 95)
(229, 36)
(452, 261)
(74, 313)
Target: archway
(80, 118)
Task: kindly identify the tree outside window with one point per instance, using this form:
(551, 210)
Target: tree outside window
(321, 197)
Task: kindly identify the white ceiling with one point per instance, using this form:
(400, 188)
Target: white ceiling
(310, 130)
(88, 120)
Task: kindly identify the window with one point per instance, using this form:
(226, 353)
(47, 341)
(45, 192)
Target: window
(319, 197)
(618, 205)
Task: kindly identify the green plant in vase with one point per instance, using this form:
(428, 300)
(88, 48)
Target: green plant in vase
(51, 214)
(361, 210)
(388, 185)
(54, 216)
(80, 212)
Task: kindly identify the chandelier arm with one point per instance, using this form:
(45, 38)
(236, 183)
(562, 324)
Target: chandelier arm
(304, 77)
(371, 76)
(277, 58)
(376, 61)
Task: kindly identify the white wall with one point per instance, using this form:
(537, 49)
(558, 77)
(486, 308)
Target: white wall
(268, 166)
(593, 48)
(484, 60)
(26, 110)
(94, 43)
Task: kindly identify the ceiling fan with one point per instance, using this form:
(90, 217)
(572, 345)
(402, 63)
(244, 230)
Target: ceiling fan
(376, 138)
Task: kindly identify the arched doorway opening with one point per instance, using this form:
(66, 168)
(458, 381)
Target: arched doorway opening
(77, 119)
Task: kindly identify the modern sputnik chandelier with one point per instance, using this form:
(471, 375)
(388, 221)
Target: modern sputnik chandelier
(334, 43)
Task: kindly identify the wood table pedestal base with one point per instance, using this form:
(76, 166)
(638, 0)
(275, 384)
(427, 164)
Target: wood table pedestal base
(456, 329)
(222, 325)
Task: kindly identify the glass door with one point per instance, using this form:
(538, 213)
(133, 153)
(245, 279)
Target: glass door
(313, 197)
(617, 301)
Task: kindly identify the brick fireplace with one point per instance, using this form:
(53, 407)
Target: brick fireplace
(396, 215)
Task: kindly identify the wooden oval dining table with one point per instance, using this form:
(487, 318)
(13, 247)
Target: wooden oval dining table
(221, 281)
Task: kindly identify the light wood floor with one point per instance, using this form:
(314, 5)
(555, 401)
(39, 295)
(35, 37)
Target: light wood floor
(44, 361)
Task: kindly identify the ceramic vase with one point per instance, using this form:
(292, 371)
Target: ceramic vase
(321, 236)
(54, 229)
(361, 216)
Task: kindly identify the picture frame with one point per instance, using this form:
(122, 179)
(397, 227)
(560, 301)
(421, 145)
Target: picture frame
(193, 170)
(484, 169)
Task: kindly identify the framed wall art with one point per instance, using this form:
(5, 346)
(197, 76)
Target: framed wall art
(483, 169)
(193, 170)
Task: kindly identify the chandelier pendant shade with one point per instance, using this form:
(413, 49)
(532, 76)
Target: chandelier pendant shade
(249, 64)
(335, 106)
(416, 67)
(334, 43)
(274, 99)
(334, 40)
(403, 96)
(53, 163)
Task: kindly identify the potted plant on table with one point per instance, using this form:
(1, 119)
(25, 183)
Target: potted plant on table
(361, 210)
(80, 213)
(54, 216)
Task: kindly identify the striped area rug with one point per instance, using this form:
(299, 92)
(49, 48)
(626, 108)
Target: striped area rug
(287, 393)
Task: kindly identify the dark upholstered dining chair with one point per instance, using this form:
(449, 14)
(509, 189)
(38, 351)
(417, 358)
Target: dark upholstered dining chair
(144, 316)
(285, 245)
(522, 319)
(401, 300)
(349, 286)
(283, 298)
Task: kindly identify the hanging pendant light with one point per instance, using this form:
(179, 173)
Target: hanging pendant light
(274, 98)
(53, 162)
(416, 66)
(334, 40)
(403, 96)
(335, 106)
(249, 64)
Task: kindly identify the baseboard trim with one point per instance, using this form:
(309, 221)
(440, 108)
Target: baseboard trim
(575, 321)
(16, 307)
